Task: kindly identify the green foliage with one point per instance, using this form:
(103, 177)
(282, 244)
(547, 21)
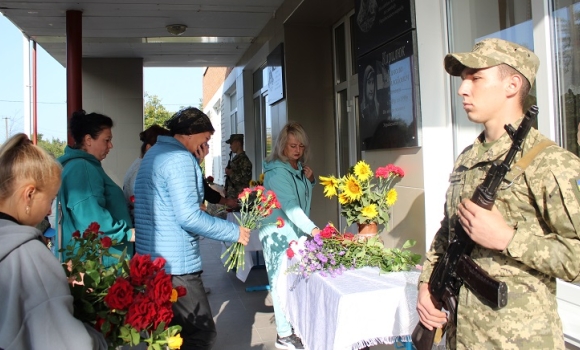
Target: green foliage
(332, 252)
(55, 146)
(154, 112)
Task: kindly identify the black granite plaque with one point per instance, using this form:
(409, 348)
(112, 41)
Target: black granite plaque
(275, 66)
(378, 21)
(388, 95)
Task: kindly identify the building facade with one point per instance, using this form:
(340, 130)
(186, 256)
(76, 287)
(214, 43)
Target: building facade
(324, 51)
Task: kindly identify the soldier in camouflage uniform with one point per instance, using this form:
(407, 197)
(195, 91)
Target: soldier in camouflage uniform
(239, 169)
(530, 237)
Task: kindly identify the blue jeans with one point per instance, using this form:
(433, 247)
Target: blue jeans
(193, 313)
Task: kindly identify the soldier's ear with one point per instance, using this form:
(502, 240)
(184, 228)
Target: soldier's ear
(514, 85)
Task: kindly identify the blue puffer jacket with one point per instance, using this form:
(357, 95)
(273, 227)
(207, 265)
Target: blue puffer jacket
(168, 219)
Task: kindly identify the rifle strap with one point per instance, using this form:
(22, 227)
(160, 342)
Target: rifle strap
(521, 165)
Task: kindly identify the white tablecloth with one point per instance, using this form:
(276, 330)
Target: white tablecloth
(356, 309)
(254, 245)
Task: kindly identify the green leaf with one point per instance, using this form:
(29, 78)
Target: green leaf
(409, 243)
(135, 337)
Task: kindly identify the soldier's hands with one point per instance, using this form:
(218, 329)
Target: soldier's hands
(244, 235)
(485, 227)
(429, 315)
(308, 173)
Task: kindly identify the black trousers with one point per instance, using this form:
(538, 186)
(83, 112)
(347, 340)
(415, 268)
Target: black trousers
(193, 313)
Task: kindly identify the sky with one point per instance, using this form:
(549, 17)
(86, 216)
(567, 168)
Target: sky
(175, 87)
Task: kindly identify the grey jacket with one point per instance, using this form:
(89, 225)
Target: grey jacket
(36, 307)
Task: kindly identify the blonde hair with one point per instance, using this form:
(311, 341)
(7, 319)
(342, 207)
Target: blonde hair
(296, 130)
(21, 160)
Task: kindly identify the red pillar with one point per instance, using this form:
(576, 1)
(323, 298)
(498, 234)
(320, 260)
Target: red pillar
(34, 96)
(74, 52)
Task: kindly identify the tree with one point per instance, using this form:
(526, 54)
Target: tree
(154, 112)
(54, 147)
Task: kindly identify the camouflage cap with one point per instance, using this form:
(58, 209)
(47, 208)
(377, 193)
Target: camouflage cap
(235, 137)
(492, 52)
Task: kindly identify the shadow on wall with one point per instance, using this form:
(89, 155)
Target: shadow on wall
(411, 226)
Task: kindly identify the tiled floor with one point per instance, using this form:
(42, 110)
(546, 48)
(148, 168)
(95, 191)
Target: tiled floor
(244, 320)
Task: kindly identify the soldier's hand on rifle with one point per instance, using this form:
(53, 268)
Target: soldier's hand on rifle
(429, 315)
(485, 227)
(244, 235)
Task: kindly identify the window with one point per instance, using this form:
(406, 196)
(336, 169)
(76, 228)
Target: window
(233, 113)
(471, 21)
(566, 19)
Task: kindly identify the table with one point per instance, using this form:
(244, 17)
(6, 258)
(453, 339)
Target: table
(254, 245)
(356, 309)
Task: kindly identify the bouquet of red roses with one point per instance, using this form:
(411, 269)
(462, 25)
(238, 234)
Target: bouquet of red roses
(128, 302)
(256, 204)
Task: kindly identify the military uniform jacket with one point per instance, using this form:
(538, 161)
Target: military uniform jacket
(542, 204)
(241, 175)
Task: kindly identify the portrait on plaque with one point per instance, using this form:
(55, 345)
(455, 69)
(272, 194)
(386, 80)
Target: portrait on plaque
(388, 90)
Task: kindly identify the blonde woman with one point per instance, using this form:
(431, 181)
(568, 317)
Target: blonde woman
(36, 307)
(286, 173)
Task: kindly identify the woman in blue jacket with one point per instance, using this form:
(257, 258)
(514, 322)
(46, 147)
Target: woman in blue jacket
(87, 193)
(169, 220)
(291, 180)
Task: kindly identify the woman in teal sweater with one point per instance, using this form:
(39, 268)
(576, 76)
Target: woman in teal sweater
(87, 193)
(291, 180)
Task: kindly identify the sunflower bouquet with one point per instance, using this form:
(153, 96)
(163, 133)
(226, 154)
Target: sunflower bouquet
(258, 182)
(365, 197)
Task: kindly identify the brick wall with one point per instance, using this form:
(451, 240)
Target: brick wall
(213, 78)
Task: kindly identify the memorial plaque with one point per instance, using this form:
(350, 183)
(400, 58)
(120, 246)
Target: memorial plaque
(388, 95)
(378, 21)
(275, 67)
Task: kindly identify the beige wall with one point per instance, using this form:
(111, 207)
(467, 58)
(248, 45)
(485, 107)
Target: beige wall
(114, 87)
(309, 97)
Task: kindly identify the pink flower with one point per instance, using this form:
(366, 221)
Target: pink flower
(382, 172)
(290, 253)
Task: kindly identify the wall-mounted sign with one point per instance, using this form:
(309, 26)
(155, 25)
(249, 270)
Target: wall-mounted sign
(378, 21)
(275, 67)
(388, 95)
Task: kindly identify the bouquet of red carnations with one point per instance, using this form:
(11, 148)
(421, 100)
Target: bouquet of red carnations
(256, 204)
(129, 302)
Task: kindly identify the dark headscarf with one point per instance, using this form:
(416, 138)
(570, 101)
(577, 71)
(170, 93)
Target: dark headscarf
(189, 121)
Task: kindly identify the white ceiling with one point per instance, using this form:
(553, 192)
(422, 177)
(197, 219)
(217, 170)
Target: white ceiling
(218, 33)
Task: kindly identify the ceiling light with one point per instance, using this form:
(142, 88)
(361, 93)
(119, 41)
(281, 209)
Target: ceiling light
(176, 29)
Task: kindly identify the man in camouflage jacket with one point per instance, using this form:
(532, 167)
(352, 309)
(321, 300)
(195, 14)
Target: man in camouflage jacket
(531, 235)
(239, 169)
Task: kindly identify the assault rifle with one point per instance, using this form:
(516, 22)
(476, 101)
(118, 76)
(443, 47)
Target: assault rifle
(227, 179)
(456, 267)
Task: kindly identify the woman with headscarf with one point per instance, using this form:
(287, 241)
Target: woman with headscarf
(168, 194)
